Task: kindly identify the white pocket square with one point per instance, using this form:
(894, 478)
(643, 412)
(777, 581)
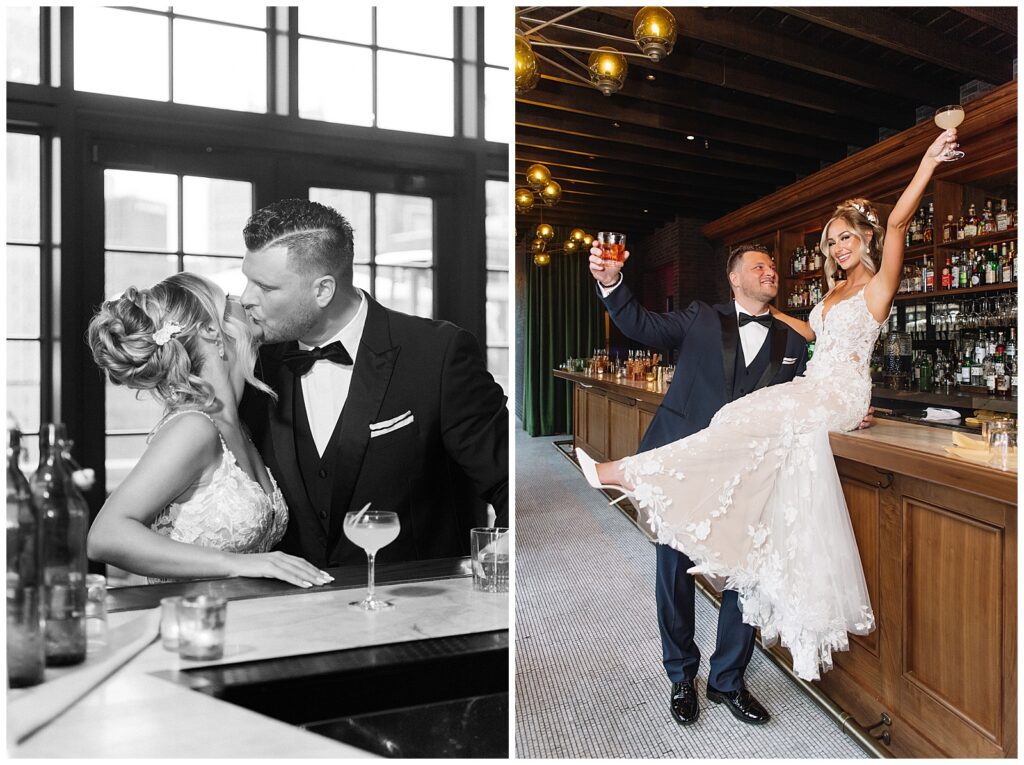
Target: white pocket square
(789, 359)
(388, 426)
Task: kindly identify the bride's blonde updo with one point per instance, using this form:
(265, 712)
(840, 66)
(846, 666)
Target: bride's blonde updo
(863, 218)
(127, 342)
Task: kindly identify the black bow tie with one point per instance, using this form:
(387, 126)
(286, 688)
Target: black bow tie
(765, 320)
(300, 361)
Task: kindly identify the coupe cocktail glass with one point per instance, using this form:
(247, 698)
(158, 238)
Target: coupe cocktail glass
(373, 530)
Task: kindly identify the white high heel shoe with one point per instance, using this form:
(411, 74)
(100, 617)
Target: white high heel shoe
(589, 468)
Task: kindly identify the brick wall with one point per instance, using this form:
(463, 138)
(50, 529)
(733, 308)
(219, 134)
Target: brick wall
(684, 264)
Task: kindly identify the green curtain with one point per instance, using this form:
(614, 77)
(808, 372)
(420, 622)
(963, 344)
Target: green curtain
(563, 319)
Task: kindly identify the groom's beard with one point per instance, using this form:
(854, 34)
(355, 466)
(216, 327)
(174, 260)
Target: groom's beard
(294, 326)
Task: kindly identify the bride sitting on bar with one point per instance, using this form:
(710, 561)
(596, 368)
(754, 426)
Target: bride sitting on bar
(754, 499)
(200, 502)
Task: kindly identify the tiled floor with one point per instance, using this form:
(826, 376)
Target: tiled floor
(589, 680)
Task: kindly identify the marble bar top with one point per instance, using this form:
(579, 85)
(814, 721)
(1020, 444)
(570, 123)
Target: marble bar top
(138, 712)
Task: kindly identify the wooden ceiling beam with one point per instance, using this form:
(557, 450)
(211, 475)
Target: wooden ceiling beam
(1002, 18)
(712, 25)
(888, 30)
(601, 149)
(583, 168)
(656, 141)
(685, 63)
(590, 104)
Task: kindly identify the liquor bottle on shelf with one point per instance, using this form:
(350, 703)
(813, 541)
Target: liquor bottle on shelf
(961, 228)
(1003, 216)
(948, 229)
(65, 524)
(992, 267)
(947, 278)
(916, 226)
(977, 268)
(987, 225)
(965, 368)
(818, 257)
(1002, 379)
(26, 653)
(928, 235)
(988, 368)
(971, 227)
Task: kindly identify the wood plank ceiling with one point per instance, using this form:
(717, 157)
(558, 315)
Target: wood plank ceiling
(769, 95)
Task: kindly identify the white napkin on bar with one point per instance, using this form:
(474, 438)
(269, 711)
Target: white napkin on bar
(33, 708)
(937, 413)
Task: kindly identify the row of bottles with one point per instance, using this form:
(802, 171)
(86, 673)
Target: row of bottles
(804, 260)
(986, 361)
(47, 523)
(991, 221)
(977, 267)
(805, 294)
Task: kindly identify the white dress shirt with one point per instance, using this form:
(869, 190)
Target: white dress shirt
(325, 386)
(752, 334)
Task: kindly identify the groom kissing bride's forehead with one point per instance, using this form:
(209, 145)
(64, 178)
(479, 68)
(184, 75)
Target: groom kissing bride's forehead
(373, 405)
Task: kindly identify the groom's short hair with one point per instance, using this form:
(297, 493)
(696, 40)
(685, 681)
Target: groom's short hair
(317, 237)
(736, 255)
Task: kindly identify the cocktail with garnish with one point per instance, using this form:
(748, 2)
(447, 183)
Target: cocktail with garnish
(371, 530)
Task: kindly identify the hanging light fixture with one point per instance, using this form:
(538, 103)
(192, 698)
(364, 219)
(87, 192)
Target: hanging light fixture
(654, 33)
(588, 240)
(608, 69)
(570, 245)
(541, 258)
(654, 29)
(537, 176)
(551, 193)
(577, 235)
(524, 200)
(545, 232)
(527, 75)
(538, 245)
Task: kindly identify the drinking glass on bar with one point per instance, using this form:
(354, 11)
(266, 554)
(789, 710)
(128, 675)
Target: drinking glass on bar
(613, 246)
(371, 530)
(947, 117)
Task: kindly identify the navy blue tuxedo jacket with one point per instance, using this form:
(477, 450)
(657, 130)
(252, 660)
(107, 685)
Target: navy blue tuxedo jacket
(708, 340)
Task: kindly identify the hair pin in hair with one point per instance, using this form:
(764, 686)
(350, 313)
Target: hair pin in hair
(166, 332)
(872, 218)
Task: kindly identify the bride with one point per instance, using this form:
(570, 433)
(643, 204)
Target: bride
(200, 502)
(754, 499)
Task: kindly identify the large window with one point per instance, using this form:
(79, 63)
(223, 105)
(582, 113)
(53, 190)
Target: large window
(498, 331)
(394, 257)
(164, 55)
(157, 224)
(411, 82)
(497, 75)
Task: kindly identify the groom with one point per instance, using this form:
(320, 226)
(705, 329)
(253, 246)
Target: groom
(373, 405)
(725, 351)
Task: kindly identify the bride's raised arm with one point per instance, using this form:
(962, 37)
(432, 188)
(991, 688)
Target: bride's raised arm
(883, 286)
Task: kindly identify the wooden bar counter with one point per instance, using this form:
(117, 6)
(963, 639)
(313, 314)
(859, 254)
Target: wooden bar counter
(938, 541)
(293, 657)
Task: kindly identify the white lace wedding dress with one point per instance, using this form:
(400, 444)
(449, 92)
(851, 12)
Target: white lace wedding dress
(232, 512)
(755, 500)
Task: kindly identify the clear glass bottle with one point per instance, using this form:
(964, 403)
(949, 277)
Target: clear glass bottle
(65, 525)
(26, 654)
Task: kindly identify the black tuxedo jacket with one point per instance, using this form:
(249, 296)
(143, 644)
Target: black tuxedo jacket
(436, 471)
(707, 338)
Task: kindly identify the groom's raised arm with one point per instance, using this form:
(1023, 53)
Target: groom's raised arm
(655, 330)
(474, 422)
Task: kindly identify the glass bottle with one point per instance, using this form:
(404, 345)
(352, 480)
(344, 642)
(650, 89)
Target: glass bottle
(961, 228)
(948, 229)
(26, 654)
(971, 229)
(1002, 217)
(65, 524)
(929, 227)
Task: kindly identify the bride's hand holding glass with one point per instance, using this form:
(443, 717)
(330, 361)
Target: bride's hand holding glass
(944, 147)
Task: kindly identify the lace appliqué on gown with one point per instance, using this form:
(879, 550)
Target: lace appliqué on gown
(755, 500)
(231, 513)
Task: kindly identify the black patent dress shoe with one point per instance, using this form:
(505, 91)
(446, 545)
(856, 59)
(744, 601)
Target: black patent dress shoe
(743, 706)
(684, 706)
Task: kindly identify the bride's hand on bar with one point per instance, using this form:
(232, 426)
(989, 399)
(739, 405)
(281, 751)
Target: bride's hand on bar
(604, 272)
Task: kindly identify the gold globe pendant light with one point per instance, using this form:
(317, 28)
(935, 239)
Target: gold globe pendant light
(570, 245)
(608, 69)
(527, 75)
(538, 245)
(588, 240)
(577, 235)
(545, 232)
(654, 29)
(551, 193)
(541, 259)
(524, 200)
(537, 176)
